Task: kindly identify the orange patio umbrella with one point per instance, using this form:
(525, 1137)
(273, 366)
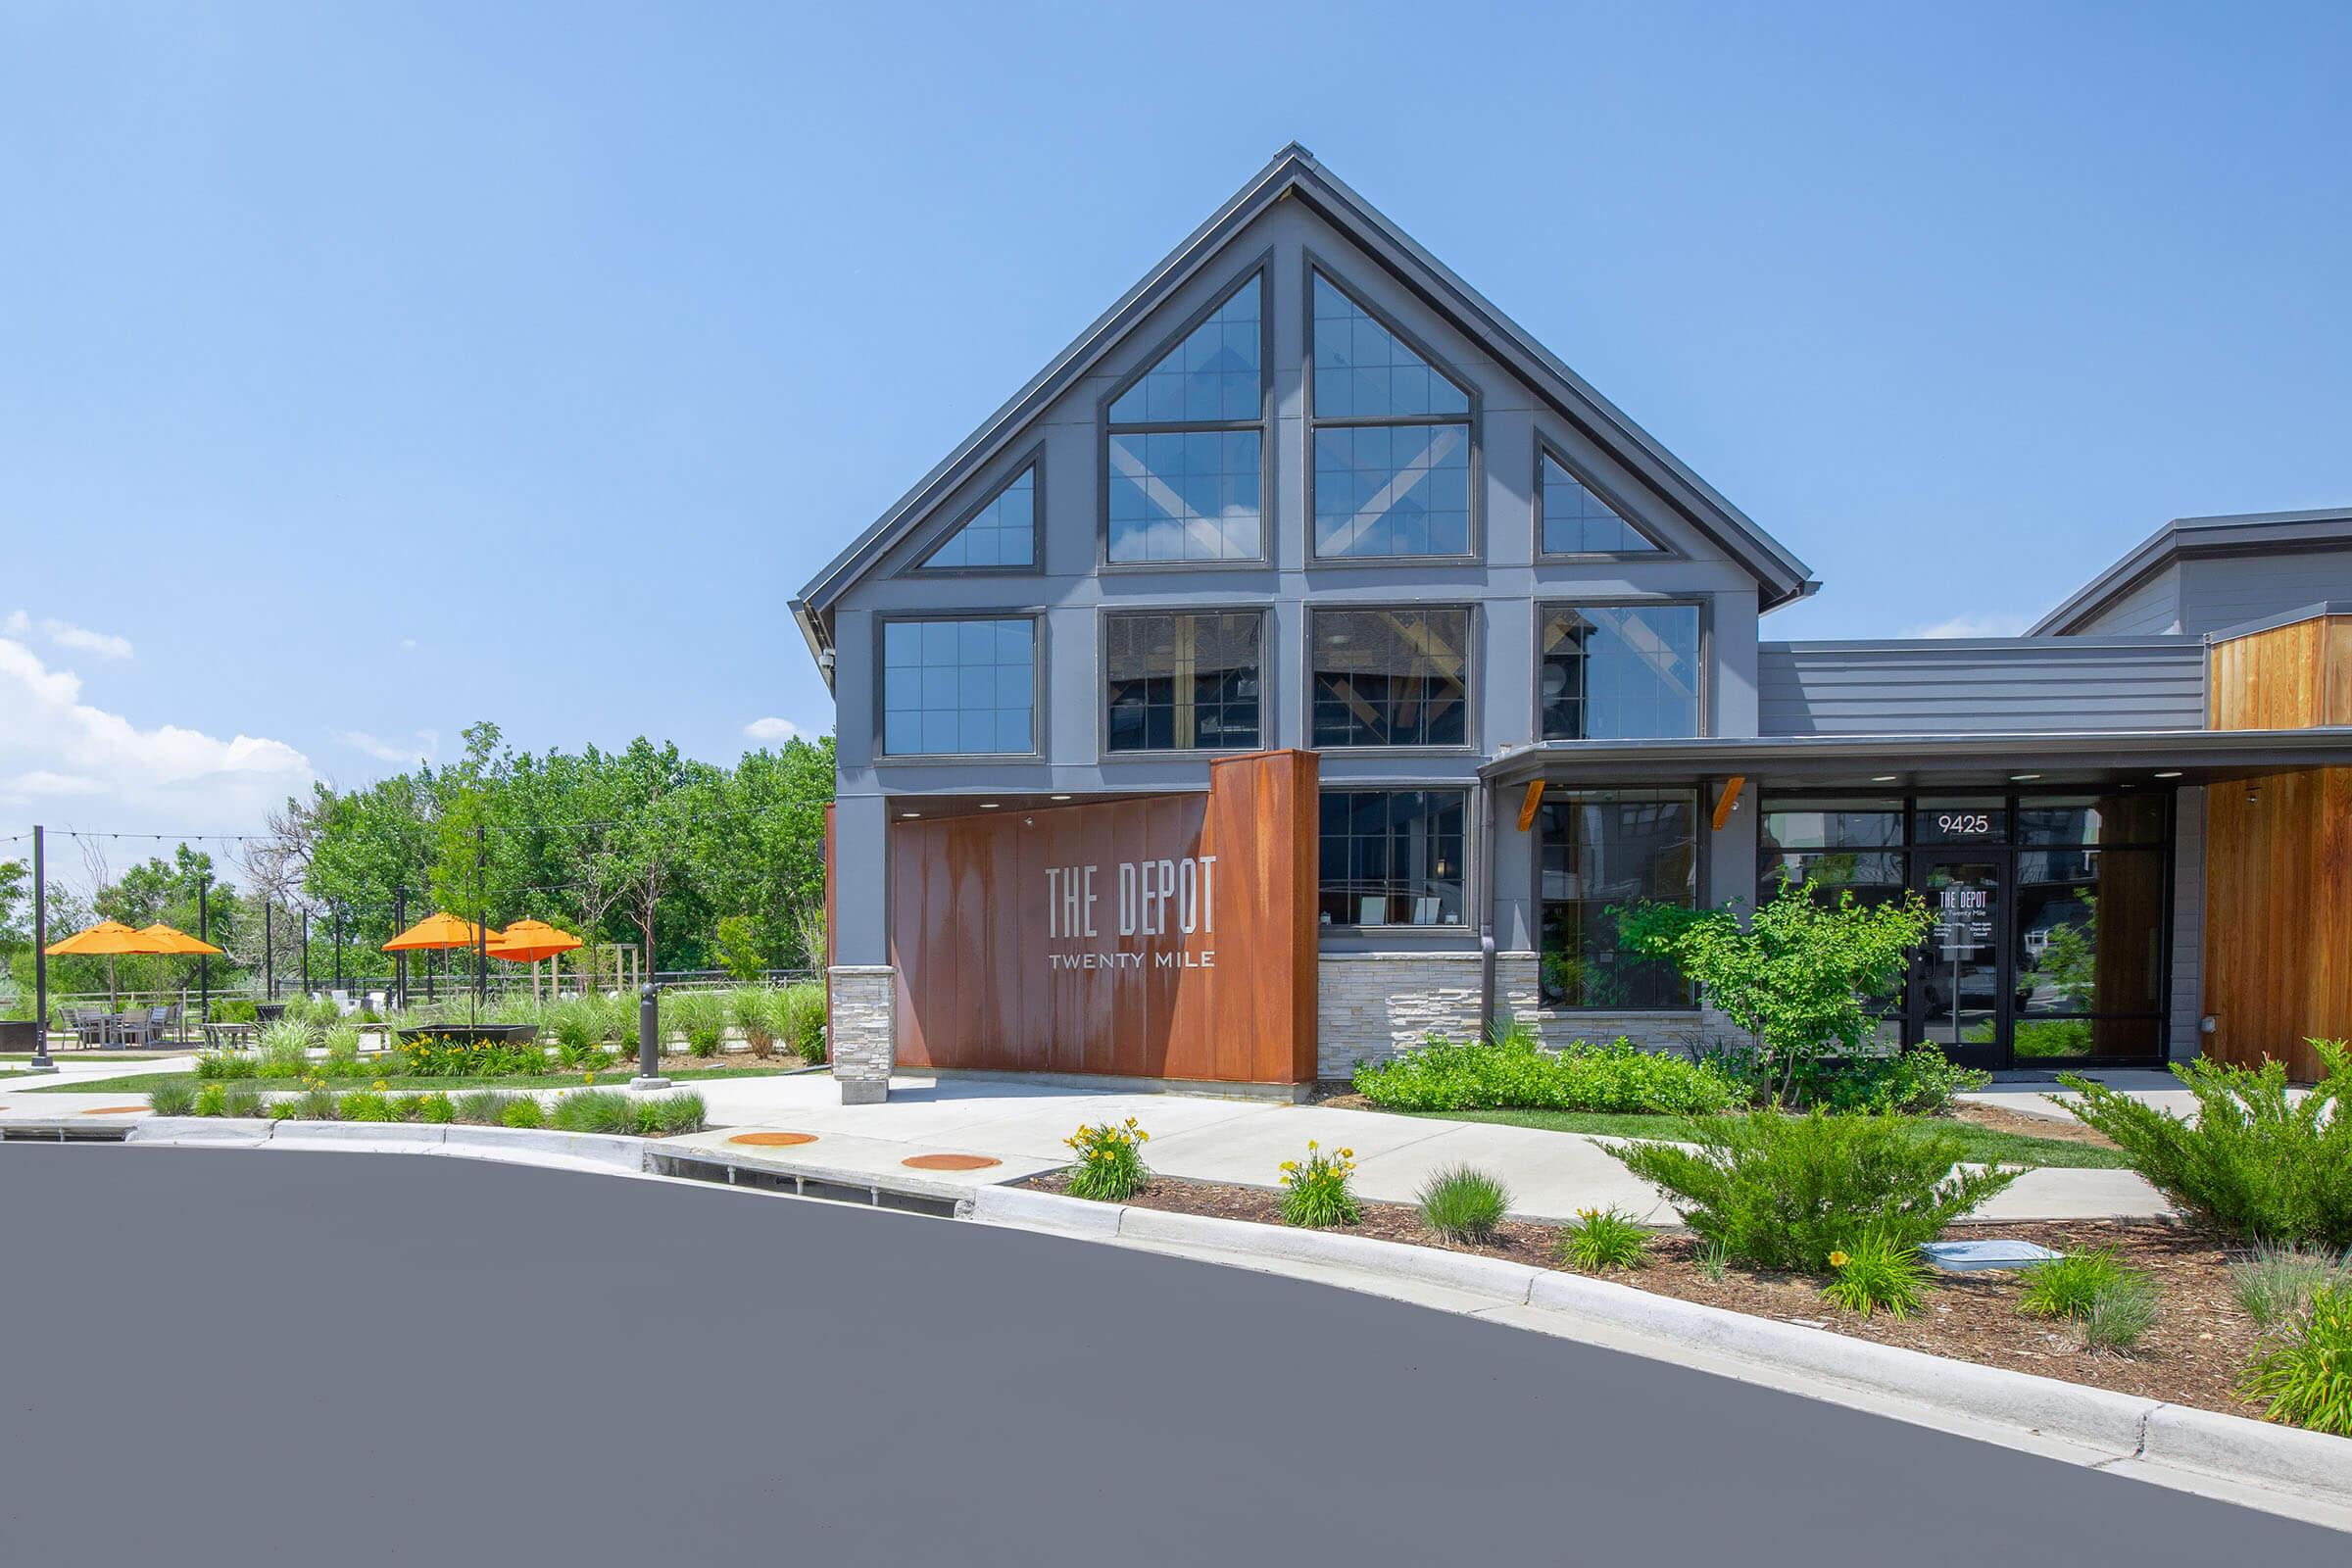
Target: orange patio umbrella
(171, 939)
(530, 941)
(107, 939)
(440, 931)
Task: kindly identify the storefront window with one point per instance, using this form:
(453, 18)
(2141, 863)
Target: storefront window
(1391, 677)
(1392, 857)
(1601, 850)
(1182, 681)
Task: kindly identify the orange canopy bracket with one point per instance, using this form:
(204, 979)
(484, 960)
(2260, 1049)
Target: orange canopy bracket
(1728, 801)
(1528, 805)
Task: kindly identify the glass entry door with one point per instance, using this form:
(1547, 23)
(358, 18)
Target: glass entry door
(1960, 991)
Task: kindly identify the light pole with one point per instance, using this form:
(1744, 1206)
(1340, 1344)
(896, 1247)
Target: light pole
(648, 1040)
(41, 957)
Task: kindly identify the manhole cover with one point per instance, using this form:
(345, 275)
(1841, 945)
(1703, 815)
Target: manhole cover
(949, 1163)
(114, 1111)
(773, 1140)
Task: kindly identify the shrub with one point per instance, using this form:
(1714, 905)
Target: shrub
(175, 1097)
(578, 1025)
(666, 1115)
(282, 1109)
(366, 1104)
(1598, 1240)
(523, 1110)
(316, 1103)
(434, 1108)
(1110, 1167)
(2253, 1164)
(1919, 1082)
(1877, 1273)
(241, 1099)
(1315, 1191)
(592, 1110)
(2065, 1287)
(801, 1020)
(2120, 1315)
(234, 1010)
(454, 1057)
(735, 941)
(342, 1040)
(483, 1107)
(2276, 1282)
(753, 1010)
(1513, 1071)
(1463, 1204)
(224, 1065)
(1800, 975)
(701, 1016)
(2305, 1375)
(212, 1099)
(1783, 1190)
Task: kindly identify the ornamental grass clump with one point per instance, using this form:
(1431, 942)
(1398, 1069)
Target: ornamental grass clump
(592, 1110)
(1511, 1070)
(523, 1110)
(1463, 1204)
(172, 1099)
(2067, 1287)
(2303, 1376)
(241, 1099)
(315, 1102)
(1878, 1274)
(1781, 1191)
(483, 1107)
(669, 1115)
(212, 1099)
(801, 1020)
(1316, 1193)
(2276, 1282)
(284, 1049)
(1110, 1164)
(2254, 1163)
(1598, 1240)
(753, 1011)
(366, 1104)
(2120, 1315)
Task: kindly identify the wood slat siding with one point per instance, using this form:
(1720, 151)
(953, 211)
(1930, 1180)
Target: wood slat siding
(2278, 855)
(970, 921)
(1931, 687)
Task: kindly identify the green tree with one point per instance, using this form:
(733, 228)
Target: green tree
(737, 946)
(1799, 975)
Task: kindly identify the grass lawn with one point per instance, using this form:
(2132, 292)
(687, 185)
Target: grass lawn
(611, 1078)
(1983, 1144)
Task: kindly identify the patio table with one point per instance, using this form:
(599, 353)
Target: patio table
(228, 1036)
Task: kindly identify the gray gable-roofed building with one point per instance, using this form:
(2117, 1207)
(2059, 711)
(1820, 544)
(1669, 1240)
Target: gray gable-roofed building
(1303, 516)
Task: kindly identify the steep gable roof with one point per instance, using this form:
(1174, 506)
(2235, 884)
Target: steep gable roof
(1295, 172)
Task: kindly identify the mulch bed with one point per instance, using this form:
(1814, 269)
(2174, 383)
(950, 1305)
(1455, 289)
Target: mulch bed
(2193, 1354)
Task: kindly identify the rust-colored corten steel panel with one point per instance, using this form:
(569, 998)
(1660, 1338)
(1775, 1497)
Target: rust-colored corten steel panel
(2278, 853)
(1166, 937)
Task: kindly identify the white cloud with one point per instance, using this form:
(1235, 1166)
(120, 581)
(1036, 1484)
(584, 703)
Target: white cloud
(1996, 624)
(419, 749)
(407, 645)
(106, 772)
(64, 634)
(774, 729)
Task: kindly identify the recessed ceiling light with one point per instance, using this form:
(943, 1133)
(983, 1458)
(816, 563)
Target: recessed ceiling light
(2023, 778)
(988, 806)
(1884, 778)
(1062, 797)
(2172, 772)
(911, 813)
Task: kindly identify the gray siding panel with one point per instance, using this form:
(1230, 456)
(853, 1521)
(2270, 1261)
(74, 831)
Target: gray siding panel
(2230, 590)
(2150, 609)
(1956, 687)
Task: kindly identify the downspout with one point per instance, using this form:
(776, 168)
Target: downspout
(1486, 907)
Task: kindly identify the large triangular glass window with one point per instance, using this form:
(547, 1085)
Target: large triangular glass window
(1365, 371)
(1578, 522)
(1001, 533)
(1210, 378)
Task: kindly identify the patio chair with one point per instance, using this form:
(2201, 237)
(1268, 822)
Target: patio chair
(131, 1029)
(91, 1027)
(164, 1022)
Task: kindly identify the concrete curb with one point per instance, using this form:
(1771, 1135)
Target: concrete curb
(515, 1145)
(2228, 1448)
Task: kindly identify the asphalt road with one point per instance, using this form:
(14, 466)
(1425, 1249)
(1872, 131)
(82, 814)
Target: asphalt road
(248, 1357)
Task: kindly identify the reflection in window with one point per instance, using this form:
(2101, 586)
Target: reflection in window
(1182, 681)
(958, 686)
(1603, 849)
(1578, 522)
(1185, 459)
(2089, 941)
(1392, 857)
(1001, 533)
(1620, 673)
(1391, 440)
(1391, 677)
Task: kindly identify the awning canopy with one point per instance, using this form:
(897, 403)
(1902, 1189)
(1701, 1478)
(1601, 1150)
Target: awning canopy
(1898, 761)
(436, 932)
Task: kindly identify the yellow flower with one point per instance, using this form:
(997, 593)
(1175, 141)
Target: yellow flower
(1310, 1142)
(1837, 1260)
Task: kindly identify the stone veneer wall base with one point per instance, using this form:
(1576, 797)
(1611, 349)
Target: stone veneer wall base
(1373, 1005)
(861, 1031)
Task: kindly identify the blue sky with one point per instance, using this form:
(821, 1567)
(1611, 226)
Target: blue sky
(367, 371)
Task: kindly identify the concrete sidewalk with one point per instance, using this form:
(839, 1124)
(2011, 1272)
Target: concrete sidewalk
(2041, 1095)
(1551, 1175)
